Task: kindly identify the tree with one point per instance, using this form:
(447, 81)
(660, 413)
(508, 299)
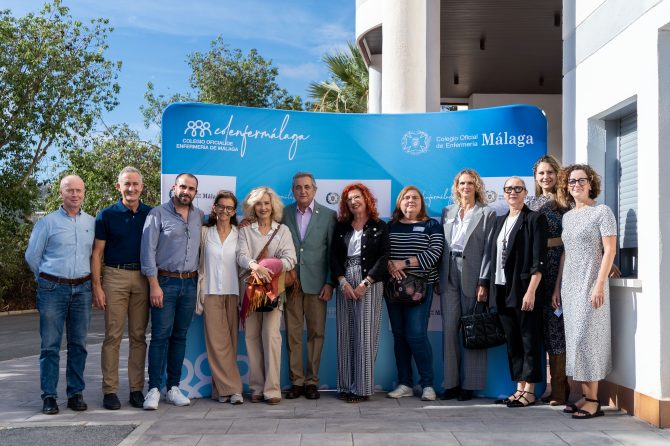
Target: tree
(99, 167)
(54, 84)
(347, 89)
(225, 76)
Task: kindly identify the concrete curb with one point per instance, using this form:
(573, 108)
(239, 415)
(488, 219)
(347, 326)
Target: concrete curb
(11, 313)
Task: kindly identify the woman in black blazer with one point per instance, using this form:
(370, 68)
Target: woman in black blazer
(518, 255)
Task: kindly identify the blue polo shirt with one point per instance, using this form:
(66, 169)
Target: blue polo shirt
(121, 229)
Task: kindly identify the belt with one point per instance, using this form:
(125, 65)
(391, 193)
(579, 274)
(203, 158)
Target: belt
(65, 281)
(457, 254)
(128, 266)
(554, 242)
(190, 275)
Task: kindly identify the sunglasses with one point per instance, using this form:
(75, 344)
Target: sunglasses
(516, 189)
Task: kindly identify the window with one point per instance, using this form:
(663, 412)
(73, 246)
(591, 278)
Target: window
(626, 211)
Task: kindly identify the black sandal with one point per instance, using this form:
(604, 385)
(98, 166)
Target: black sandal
(518, 403)
(353, 398)
(343, 396)
(582, 414)
(509, 399)
(572, 407)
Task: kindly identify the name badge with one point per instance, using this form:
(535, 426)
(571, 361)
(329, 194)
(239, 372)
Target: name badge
(418, 229)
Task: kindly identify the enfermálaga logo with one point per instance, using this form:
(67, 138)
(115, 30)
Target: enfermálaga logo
(415, 142)
(198, 125)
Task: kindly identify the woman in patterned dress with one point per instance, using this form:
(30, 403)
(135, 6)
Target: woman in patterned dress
(359, 255)
(546, 171)
(589, 237)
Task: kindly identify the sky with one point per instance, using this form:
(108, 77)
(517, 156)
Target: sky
(153, 38)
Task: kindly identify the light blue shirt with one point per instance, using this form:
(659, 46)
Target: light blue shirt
(61, 245)
(168, 242)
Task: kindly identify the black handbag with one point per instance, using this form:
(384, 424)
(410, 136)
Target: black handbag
(482, 330)
(410, 290)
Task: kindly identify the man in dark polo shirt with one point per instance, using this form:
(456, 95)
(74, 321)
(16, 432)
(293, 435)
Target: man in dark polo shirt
(123, 291)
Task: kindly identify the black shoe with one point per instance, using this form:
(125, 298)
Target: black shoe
(464, 395)
(76, 403)
(111, 402)
(312, 392)
(49, 406)
(295, 392)
(136, 399)
(452, 393)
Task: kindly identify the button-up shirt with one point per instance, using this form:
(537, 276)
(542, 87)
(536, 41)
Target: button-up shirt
(121, 229)
(303, 218)
(168, 242)
(60, 245)
(459, 229)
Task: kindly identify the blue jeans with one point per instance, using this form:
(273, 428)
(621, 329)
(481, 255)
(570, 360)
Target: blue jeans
(62, 306)
(169, 326)
(409, 324)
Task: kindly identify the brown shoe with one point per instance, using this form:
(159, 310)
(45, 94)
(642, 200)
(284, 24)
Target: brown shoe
(312, 392)
(295, 392)
(256, 398)
(273, 401)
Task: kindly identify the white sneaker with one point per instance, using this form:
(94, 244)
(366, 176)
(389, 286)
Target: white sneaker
(400, 391)
(177, 398)
(428, 394)
(152, 399)
(236, 399)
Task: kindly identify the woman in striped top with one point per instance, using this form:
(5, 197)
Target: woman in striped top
(416, 243)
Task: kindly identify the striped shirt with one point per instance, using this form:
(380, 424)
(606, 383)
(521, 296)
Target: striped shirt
(423, 240)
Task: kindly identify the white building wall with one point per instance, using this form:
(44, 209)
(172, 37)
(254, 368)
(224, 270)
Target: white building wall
(549, 103)
(625, 68)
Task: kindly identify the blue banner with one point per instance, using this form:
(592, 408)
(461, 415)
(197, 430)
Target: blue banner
(239, 148)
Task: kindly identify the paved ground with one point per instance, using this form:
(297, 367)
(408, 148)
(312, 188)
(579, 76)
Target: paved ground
(325, 422)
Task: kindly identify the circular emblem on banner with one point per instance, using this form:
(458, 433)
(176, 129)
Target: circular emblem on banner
(491, 196)
(415, 142)
(332, 198)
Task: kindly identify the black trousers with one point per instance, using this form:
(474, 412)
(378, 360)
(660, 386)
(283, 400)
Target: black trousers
(524, 341)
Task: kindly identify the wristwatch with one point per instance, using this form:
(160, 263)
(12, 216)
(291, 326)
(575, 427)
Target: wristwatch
(366, 282)
(407, 262)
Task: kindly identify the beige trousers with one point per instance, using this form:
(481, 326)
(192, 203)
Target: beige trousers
(299, 310)
(221, 319)
(127, 294)
(263, 341)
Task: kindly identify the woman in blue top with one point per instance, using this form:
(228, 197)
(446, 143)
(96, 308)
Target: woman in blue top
(416, 244)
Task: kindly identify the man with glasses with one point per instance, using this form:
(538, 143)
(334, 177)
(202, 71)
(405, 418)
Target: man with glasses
(120, 289)
(311, 226)
(169, 259)
(59, 254)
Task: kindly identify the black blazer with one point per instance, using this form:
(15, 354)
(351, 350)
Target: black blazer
(374, 249)
(526, 255)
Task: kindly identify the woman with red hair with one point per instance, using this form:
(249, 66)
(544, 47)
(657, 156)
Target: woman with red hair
(358, 260)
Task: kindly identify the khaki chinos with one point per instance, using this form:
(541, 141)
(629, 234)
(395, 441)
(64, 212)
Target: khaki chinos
(127, 293)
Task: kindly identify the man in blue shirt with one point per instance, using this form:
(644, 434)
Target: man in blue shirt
(169, 255)
(123, 291)
(59, 254)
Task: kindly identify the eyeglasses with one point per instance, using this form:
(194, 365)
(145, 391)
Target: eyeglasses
(354, 198)
(516, 189)
(222, 207)
(581, 181)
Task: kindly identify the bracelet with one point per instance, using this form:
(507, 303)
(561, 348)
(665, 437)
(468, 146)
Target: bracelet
(366, 283)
